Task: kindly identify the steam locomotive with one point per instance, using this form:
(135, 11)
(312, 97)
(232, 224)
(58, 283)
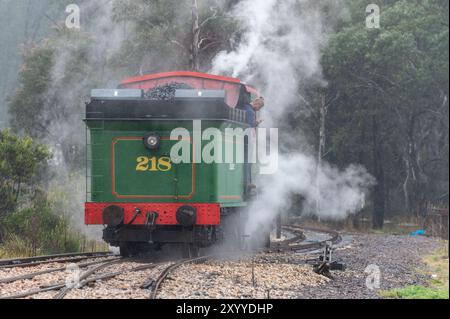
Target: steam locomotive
(135, 189)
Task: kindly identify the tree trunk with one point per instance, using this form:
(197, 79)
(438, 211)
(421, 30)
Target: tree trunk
(413, 186)
(322, 132)
(194, 59)
(379, 193)
(321, 152)
(407, 185)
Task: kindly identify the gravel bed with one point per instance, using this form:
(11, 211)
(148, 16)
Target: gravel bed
(123, 286)
(239, 279)
(398, 258)
(266, 275)
(40, 280)
(289, 275)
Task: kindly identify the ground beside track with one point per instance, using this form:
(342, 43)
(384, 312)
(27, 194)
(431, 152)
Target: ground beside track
(276, 275)
(285, 275)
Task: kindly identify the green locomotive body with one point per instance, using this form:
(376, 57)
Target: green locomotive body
(124, 170)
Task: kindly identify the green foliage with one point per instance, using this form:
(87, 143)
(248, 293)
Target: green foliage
(38, 229)
(58, 75)
(391, 111)
(437, 288)
(20, 159)
(48, 104)
(415, 292)
(27, 104)
(29, 223)
(161, 34)
(21, 25)
(15, 246)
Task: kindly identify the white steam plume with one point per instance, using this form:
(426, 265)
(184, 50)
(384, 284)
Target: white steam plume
(280, 49)
(280, 53)
(80, 64)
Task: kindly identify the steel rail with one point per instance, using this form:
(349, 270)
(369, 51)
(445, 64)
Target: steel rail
(109, 275)
(84, 276)
(335, 239)
(169, 269)
(57, 286)
(286, 246)
(299, 236)
(290, 244)
(47, 271)
(60, 258)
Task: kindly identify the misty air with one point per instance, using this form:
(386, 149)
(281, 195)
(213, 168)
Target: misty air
(238, 150)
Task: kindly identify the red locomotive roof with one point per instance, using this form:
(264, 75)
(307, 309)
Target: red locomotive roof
(195, 79)
(179, 74)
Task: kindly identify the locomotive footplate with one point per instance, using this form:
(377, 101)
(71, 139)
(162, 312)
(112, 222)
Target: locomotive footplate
(202, 236)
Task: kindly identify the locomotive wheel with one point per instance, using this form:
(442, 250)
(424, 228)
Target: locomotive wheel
(190, 251)
(129, 249)
(233, 230)
(126, 249)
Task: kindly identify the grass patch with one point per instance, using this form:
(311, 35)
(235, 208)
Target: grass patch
(415, 292)
(16, 246)
(395, 228)
(437, 288)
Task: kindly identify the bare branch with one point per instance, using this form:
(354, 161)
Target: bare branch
(210, 45)
(174, 42)
(58, 27)
(333, 99)
(201, 41)
(177, 43)
(327, 152)
(214, 16)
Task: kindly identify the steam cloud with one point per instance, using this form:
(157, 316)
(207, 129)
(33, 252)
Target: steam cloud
(80, 63)
(280, 53)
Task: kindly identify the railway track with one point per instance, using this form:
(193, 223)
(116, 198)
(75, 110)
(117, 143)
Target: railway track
(294, 244)
(93, 272)
(62, 287)
(90, 276)
(56, 286)
(166, 272)
(290, 244)
(43, 272)
(299, 236)
(60, 258)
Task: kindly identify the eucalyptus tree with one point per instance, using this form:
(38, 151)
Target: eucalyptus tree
(392, 110)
